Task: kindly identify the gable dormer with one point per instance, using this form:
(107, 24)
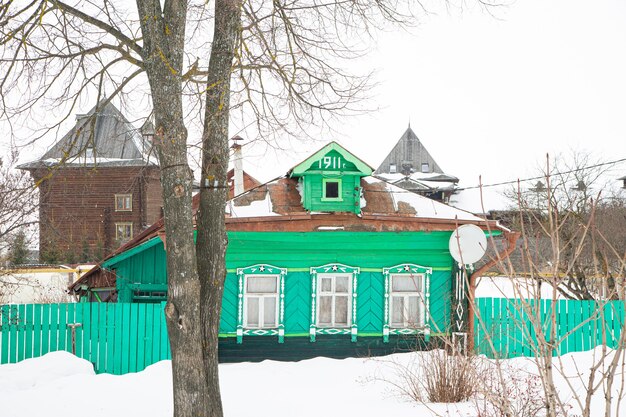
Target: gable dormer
(330, 180)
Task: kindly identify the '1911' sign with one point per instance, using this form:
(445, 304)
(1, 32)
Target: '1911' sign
(331, 162)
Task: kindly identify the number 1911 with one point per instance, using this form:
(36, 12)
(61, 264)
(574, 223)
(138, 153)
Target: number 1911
(329, 162)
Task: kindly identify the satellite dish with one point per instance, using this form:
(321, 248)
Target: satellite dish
(468, 244)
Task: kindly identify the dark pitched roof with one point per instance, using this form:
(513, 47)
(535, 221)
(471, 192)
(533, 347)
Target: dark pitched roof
(409, 150)
(114, 140)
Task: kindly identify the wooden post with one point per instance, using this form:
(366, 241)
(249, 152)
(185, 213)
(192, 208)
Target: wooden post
(73, 327)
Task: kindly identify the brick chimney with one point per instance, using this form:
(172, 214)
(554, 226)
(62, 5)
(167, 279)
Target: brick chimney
(238, 162)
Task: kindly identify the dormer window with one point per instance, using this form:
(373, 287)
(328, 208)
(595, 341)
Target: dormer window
(425, 168)
(331, 189)
(392, 168)
(329, 180)
(89, 153)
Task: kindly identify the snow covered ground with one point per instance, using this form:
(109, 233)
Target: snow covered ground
(518, 287)
(59, 384)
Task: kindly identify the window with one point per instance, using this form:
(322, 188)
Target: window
(261, 301)
(140, 296)
(393, 168)
(123, 231)
(333, 304)
(102, 295)
(123, 202)
(425, 167)
(331, 189)
(334, 300)
(407, 300)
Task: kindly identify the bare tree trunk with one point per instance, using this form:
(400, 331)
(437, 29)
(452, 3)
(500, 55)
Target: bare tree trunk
(164, 36)
(212, 239)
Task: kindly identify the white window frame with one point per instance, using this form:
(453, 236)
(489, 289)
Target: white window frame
(261, 296)
(124, 198)
(421, 300)
(334, 294)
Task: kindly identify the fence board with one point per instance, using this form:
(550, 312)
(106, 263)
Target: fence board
(116, 338)
(109, 336)
(580, 325)
(14, 320)
(102, 335)
(149, 334)
(117, 360)
(21, 332)
(132, 358)
(4, 328)
(125, 338)
(28, 339)
(562, 326)
(141, 335)
(122, 338)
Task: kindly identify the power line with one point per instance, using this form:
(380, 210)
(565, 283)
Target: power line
(403, 191)
(542, 176)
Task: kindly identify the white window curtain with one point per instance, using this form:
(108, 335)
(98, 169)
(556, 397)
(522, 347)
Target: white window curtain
(334, 300)
(261, 301)
(407, 300)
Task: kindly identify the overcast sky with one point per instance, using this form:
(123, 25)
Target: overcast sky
(487, 93)
(491, 95)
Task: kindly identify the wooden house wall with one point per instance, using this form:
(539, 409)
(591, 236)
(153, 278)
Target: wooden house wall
(153, 197)
(371, 251)
(350, 197)
(77, 206)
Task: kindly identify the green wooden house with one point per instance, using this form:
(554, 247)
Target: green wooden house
(327, 260)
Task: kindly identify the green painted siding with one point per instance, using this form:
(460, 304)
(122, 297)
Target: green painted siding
(228, 320)
(313, 191)
(297, 303)
(146, 269)
(371, 251)
(370, 302)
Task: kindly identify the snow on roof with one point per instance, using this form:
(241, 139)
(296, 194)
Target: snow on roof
(94, 161)
(259, 208)
(285, 192)
(423, 206)
(110, 136)
(439, 184)
(433, 180)
(476, 200)
(514, 287)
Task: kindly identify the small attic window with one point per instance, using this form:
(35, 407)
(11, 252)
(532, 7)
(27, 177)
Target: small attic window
(425, 168)
(89, 153)
(331, 189)
(393, 168)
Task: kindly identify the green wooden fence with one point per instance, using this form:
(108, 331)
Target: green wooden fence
(508, 328)
(116, 338)
(124, 337)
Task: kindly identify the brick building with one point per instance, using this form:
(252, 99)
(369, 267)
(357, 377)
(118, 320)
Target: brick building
(99, 186)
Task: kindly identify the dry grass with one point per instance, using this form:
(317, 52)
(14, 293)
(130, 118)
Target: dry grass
(449, 378)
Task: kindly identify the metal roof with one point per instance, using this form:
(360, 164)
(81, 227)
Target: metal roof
(99, 138)
(409, 151)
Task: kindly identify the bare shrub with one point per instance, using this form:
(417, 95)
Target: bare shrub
(507, 390)
(435, 376)
(449, 378)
